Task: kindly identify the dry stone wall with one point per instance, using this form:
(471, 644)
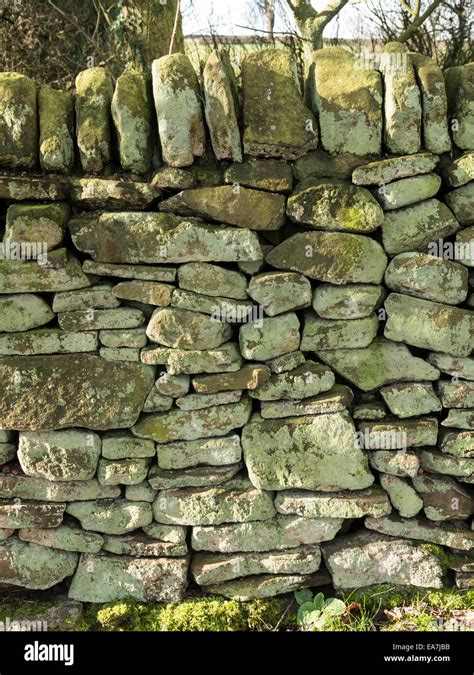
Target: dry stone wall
(236, 327)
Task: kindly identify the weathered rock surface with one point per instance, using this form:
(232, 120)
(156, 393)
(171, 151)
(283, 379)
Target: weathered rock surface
(335, 257)
(354, 301)
(23, 311)
(454, 535)
(264, 586)
(94, 92)
(277, 123)
(61, 272)
(408, 191)
(270, 337)
(182, 329)
(66, 537)
(367, 558)
(225, 359)
(47, 341)
(429, 325)
(348, 504)
(319, 334)
(249, 377)
(459, 90)
(411, 399)
(262, 174)
(443, 497)
(237, 501)
(336, 399)
(306, 380)
(18, 126)
(117, 516)
(279, 292)
(212, 451)
(26, 487)
(312, 452)
(182, 425)
(17, 514)
(33, 566)
(41, 223)
(382, 362)
(114, 398)
(107, 578)
(213, 280)
(402, 495)
(177, 97)
(56, 129)
(385, 171)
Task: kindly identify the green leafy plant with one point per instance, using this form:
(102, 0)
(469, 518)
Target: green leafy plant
(315, 613)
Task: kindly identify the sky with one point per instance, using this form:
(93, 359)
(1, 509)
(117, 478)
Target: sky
(237, 17)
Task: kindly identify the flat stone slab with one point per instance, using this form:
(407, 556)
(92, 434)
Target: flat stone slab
(408, 191)
(461, 419)
(183, 329)
(348, 504)
(41, 489)
(122, 471)
(251, 377)
(95, 297)
(145, 272)
(395, 463)
(107, 578)
(117, 516)
(428, 277)
(458, 394)
(311, 452)
(235, 501)
(336, 399)
(224, 359)
(122, 445)
(163, 238)
(18, 514)
(106, 193)
(367, 558)
(394, 434)
(192, 477)
(116, 392)
(276, 534)
(457, 443)
(33, 566)
(440, 462)
(413, 228)
(382, 362)
(183, 425)
(454, 535)
(214, 280)
(48, 341)
(267, 586)
(23, 312)
(270, 337)
(243, 207)
(429, 325)
(262, 174)
(308, 379)
(61, 272)
(279, 292)
(208, 568)
(142, 546)
(387, 170)
(209, 451)
(66, 537)
(336, 257)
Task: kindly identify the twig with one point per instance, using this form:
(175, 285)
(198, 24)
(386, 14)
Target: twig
(175, 28)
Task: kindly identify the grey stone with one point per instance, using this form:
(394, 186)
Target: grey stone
(117, 516)
(347, 504)
(33, 566)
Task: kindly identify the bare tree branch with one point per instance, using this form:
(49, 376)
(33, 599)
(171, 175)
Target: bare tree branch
(419, 21)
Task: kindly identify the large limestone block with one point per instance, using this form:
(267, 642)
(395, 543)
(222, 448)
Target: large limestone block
(348, 100)
(276, 121)
(177, 425)
(41, 489)
(131, 114)
(52, 392)
(402, 101)
(222, 106)
(66, 455)
(367, 558)
(382, 362)
(275, 534)
(208, 568)
(18, 121)
(454, 535)
(128, 237)
(428, 277)
(430, 80)
(108, 578)
(348, 504)
(316, 452)
(177, 97)
(23, 311)
(331, 204)
(56, 129)
(414, 228)
(94, 92)
(117, 516)
(236, 501)
(33, 566)
(47, 341)
(238, 206)
(429, 325)
(460, 91)
(336, 257)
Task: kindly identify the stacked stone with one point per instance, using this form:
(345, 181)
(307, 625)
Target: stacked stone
(225, 372)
